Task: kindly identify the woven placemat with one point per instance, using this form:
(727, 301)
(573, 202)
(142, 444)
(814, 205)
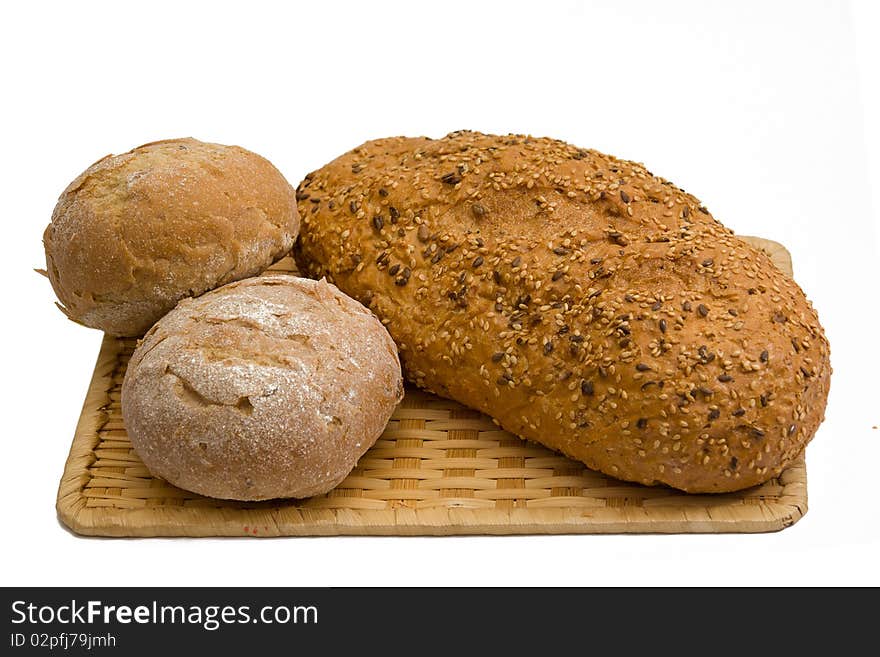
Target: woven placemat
(439, 468)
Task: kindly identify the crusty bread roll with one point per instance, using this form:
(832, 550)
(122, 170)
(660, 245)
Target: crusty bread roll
(268, 387)
(137, 232)
(578, 299)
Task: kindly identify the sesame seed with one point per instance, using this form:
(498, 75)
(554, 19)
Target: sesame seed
(703, 310)
(706, 356)
(378, 222)
(477, 261)
(616, 237)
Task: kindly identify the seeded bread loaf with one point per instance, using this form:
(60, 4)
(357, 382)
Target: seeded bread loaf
(270, 387)
(579, 300)
(137, 232)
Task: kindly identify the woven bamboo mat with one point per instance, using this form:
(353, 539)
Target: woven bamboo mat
(438, 469)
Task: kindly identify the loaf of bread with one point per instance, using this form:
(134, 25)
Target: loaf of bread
(579, 300)
(269, 387)
(137, 232)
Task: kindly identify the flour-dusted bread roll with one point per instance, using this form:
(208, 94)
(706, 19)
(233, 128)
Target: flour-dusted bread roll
(579, 300)
(269, 387)
(137, 232)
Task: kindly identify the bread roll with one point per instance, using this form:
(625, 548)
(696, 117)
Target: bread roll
(269, 387)
(579, 300)
(137, 232)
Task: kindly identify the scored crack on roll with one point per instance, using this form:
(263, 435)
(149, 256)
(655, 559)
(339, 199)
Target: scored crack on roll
(266, 388)
(576, 298)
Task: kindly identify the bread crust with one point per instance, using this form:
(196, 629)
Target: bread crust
(579, 300)
(137, 232)
(265, 388)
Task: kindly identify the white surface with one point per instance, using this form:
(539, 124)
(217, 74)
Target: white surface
(754, 107)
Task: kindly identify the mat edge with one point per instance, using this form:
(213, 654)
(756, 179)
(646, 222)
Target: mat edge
(70, 501)
(276, 523)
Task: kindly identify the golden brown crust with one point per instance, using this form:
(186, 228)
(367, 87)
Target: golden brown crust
(137, 232)
(578, 299)
(269, 387)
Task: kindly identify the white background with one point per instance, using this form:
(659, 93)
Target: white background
(759, 108)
